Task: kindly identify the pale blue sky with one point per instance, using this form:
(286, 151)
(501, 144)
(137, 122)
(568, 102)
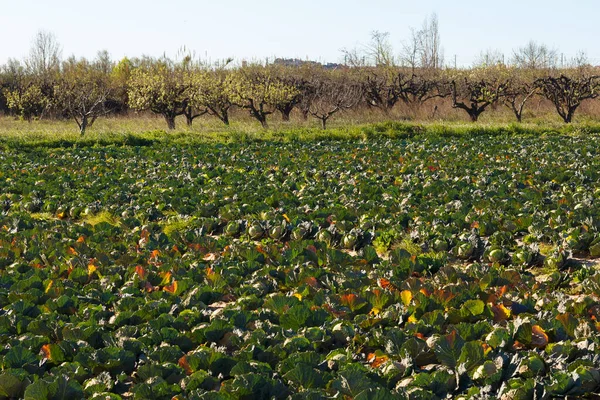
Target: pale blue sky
(316, 29)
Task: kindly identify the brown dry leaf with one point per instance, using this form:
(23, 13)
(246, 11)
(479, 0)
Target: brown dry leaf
(376, 361)
(539, 338)
(183, 363)
(210, 257)
(501, 313)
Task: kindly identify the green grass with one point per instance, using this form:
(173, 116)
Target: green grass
(175, 224)
(102, 216)
(43, 216)
(407, 244)
(148, 132)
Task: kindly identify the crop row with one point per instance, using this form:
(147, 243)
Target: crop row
(418, 269)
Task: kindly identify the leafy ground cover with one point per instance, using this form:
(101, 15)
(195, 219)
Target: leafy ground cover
(416, 267)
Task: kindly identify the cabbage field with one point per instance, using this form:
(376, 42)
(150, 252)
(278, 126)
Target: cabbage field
(428, 267)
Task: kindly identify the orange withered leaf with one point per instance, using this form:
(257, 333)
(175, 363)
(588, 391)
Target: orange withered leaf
(384, 283)
(348, 299)
(492, 298)
(376, 361)
(172, 288)
(46, 350)
(539, 338)
(183, 363)
(518, 345)
(142, 273)
(486, 348)
(261, 250)
(444, 295)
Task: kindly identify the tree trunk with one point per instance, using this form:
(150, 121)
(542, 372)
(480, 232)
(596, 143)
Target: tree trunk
(263, 123)
(570, 113)
(190, 116)
(261, 117)
(170, 121)
(323, 123)
(225, 117)
(568, 118)
(305, 114)
(474, 115)
(222, 113)
(286, 111)
(519, 116)
(84, 124)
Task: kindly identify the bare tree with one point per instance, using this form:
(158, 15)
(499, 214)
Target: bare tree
(44, 55)
(424, 48)
(475, 93)
(308, 96)
(384, 86)
(580, 60)
(489, 58)
(104, 62)
(519, 91)
(82, 91)
(567, 93)
(432, 54)
(411, 49)
(295, 77)
(535, 56)
(380, 50)
(332, 94)
(354, 57)
(425, 87)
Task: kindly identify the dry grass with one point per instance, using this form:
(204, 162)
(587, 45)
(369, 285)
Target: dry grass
(359, 123)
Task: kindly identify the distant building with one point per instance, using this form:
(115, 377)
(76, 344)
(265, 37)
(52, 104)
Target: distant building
(296, 62)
